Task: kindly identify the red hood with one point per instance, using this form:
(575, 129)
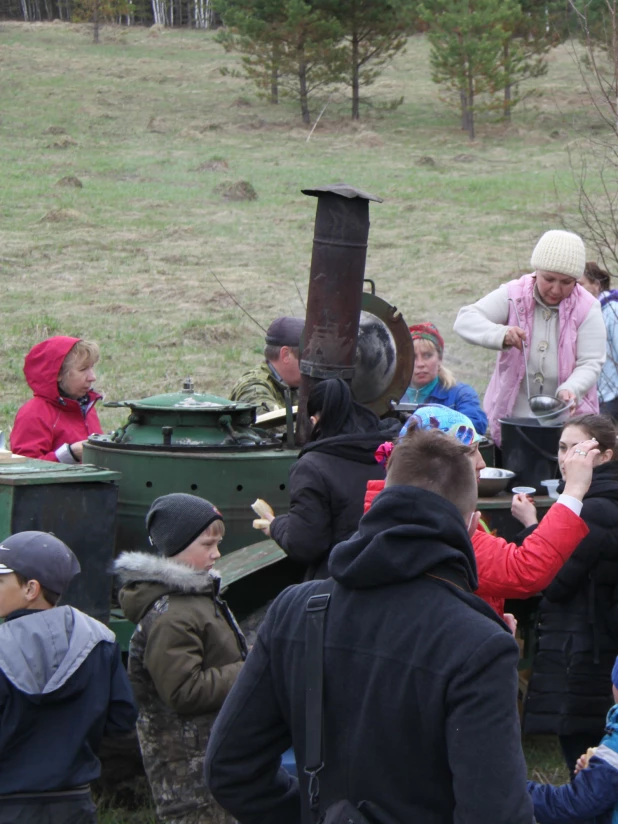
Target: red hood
(43, 362)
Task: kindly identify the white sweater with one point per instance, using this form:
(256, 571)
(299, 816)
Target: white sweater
(484, 323)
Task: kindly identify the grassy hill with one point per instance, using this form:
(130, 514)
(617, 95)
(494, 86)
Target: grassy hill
(153, 131)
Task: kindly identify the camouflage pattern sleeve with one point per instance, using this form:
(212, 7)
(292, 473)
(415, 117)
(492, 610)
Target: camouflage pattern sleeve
(259, 387)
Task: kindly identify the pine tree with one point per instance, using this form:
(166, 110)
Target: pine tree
(374, 32)
(474, 52)
(289, 47)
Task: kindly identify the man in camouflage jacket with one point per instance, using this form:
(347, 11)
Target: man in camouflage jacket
(184, 657)
(265, 385)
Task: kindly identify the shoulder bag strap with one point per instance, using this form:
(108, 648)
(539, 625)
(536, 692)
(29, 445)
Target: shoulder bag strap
(316, 608)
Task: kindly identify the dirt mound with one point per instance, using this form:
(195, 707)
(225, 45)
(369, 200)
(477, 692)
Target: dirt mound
(369, 139)
(118, 309)
(63, 216)
(156, 125)
(213, 166)
(54, 129)
(210, 334)
(191, 134)
(464, 158)
(426, 160)
(75, 182)
(241, 190)
(64, 143)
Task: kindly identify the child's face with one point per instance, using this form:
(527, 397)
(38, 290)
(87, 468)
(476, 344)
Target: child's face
(204, 551)
(12, 594)
(78, 380)
(615, 693)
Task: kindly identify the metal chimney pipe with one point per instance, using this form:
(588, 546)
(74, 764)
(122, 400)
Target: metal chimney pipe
(335, 290)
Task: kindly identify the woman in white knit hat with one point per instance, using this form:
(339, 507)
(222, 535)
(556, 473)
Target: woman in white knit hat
(555, 318)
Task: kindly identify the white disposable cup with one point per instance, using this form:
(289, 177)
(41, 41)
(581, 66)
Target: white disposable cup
(523, 490)
(552, 488)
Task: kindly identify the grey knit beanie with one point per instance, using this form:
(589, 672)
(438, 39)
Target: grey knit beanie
(175, 521)
(561, 252)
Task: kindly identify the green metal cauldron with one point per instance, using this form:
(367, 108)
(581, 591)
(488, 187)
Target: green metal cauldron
(201, 444)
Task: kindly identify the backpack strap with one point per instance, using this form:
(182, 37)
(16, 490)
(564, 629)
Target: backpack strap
(315, 609)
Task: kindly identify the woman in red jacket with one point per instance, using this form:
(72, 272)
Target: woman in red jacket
(54, 424)
(504, 569)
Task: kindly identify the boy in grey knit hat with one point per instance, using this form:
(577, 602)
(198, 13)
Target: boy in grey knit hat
(185, 653)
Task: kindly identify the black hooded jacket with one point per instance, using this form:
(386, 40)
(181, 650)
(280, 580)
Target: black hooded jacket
(420, 685)
(577, 634)
(327, 490)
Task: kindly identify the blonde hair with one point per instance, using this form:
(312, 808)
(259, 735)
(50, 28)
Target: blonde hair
(445, 376)
(83, 352)
(216, 529)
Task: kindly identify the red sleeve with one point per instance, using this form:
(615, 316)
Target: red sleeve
(510, 571)
(32, 435)
(373, 489)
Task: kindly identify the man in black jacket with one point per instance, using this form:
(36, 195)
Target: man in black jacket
(420, 676)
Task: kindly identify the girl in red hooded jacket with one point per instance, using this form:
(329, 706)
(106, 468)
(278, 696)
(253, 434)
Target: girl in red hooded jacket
(54, 424)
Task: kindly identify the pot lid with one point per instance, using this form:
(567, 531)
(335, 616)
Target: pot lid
(185, 402)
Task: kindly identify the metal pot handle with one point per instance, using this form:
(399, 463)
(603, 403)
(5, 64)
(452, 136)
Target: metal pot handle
(547, 455)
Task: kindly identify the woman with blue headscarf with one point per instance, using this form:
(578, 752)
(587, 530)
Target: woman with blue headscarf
(504, 569)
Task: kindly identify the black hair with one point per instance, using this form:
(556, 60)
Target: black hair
(600, 427)
(339, 413)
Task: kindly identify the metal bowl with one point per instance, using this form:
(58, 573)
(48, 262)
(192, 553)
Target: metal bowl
(548, 410)
(493, 481)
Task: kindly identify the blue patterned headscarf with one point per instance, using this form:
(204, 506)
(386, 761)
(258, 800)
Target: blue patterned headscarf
(446, 420)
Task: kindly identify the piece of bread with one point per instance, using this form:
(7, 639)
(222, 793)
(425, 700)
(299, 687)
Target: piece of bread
(261, 508)
(260, 523)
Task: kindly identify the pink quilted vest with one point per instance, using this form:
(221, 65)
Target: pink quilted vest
(510, 369)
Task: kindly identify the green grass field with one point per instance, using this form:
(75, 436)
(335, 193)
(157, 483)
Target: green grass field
(151, 128)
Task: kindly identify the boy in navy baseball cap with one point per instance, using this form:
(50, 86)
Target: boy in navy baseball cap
(62, 687)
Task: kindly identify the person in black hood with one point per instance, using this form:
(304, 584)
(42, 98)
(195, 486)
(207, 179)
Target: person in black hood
(327, 484)
(570, 691)
(420, 675)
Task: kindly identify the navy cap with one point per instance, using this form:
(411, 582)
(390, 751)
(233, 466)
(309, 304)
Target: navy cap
(285, 332)
(41, 557)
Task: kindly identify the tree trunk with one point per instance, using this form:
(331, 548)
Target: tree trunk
(355, 79)
(463, 99)
(507, 88)
(302, 85)
(470, 102)
(274, 82)
(95, 23)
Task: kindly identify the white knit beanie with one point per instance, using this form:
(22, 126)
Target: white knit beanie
(561, 252)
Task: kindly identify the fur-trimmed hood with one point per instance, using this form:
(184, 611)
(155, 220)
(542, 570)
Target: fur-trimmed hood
(145, 578)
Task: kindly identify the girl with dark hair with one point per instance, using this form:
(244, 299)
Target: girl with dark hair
(327, 483)
(570, 691)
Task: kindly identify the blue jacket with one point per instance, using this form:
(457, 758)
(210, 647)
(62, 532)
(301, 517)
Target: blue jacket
(62, 687)
(592, 798)
(460, 397)
(608, 380)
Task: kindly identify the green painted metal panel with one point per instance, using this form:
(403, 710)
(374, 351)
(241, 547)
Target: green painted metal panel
(31, 471)
(231, 480)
